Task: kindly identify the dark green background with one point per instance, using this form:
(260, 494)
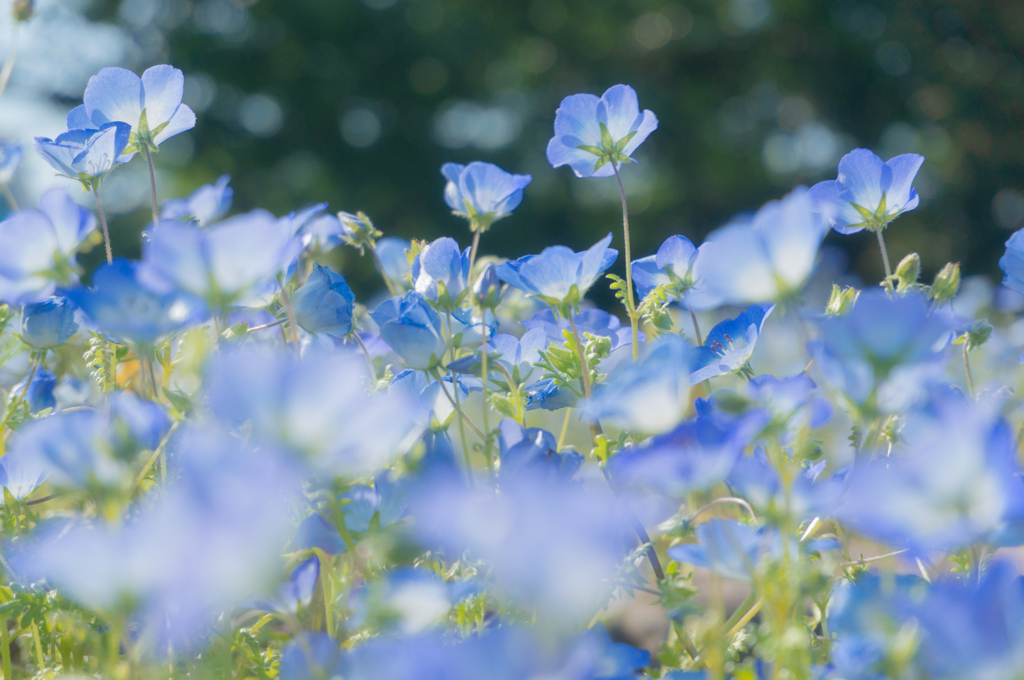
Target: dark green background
(960, 102)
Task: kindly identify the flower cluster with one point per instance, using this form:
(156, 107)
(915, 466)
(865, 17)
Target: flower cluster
(219, 460)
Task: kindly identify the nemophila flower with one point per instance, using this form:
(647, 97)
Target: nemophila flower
(465, 326)
(37, 247)
(21, 474)
(882, 338)
(40, 392)
(806, 495)
(48, 324)
(311, 655)
(551, 544)
(766, 257)
(695, 456)
(559, 276)
(391, 253)
(482, 192)
(953, 481)
(1012, 262)
(533, 452)
(324, 304)
(593, 133)
(550, 396)
(794, 400)
(11, 154)
(435, 398)
(975, 625)
(487, 287)
(120, 306)
(85, 155)
(730, 344)
(387, 500)
(731, 549)
(212, 537)
(440, 271)
(648, 396)
(671, 266)
(593, 655)
(412, 329)
(317, 406)
(594, 321)
(517, 355)
(206, 205)
(294, 595)
(235, 262)
(317, 532)
(869, 193)
(150, 105)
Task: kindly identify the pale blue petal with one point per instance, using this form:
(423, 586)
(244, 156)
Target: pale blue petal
(59, 156)
(563, 151)
(162, 89)
(647, 124)
(183, 119)
(647, 275)
(452, 196)
(594, 261)
(71, 222)
(677, 252)
(114, 95)
(860, 171)
(577, 117)
(78, 119)
(552, 273)
(832, 201)
(619, 110)
(792, 233)
(900, 192)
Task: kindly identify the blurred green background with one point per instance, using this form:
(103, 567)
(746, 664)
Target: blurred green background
(358, 103)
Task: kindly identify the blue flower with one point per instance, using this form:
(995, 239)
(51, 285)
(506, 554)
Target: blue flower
(416, 386)
(592, 133)
(206, 205)
(440, 271)
(592, 655)
(412, 329)
(10, 158)
(550, 396)
(806, 495)
(766, 257)
(311, 655)
(294, 595)
(518, 355)
(324, 303)
(317, 532)
(726, 547)
(594, 321)
(671, 266)
(869, 193)
(121, 307)
(235, 262)
(85, 155)
(559, 276)
(791, 401)
(530, 452)
(387, 499)
(21, 473)
(47, 324)
(40, 391)
(482, 192)
(730, 344)
(695, 456)
(880, 338)
(487, 287)
(37, 247)
(649, 396)
(953, 480)
(150, 105)
(1012, 262)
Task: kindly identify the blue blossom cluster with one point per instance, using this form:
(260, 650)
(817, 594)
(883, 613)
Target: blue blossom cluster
(219, 461)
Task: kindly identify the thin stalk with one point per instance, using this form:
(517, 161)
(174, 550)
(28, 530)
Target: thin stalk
(40, 659)
(462, 428)
(876, 558)
(631, 307)
(565, 428)
(293, 326)
(268, 325)
(728, 499)
(380, 269)
(366, 353)
(518, 403)
(158, 454)
(584, 368)
(696, 328)
(743, 607)
(28, 380)
(10, 198)
(746, 618)
(152, 184)
(967, 367)
(152, 378)
(473, 249)
(885, 253)
(5, 73)
(37, 501)
(486, 376)
(103, 222)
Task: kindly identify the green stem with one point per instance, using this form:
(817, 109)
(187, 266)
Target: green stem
(287, 302)
(366, 353)
(5, 648)
(967, 367)
(462, 426)
(584, 367)
(473, 249)
(486, 376)
(103, 221)
(152, 184)
(5, 73)
(885, 253)
(696, 328)
(267, 325)
(631, 306)
(565, 428)
(380, 268)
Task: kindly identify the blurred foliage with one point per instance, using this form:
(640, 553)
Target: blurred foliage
(359, 104)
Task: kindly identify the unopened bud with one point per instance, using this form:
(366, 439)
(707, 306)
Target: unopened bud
(358, 230)
(841, 301)
(908, 270)
(23, 9)
(487, 288)
(947, 283)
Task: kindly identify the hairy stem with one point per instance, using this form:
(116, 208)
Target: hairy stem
(152, 184)
(5, 73)
(631, 306)
(366, 353)
(383, 274)
(473, 249)
(885, 253)
(967, 368)
(103, 222)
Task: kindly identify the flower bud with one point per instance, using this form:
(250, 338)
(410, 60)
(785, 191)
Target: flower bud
(947, 283)
(908, 271)
(23, 9)
(39, 393)
(358, 230)
(324, 304)
(841, 301)
(44, 325)
(487, 288)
